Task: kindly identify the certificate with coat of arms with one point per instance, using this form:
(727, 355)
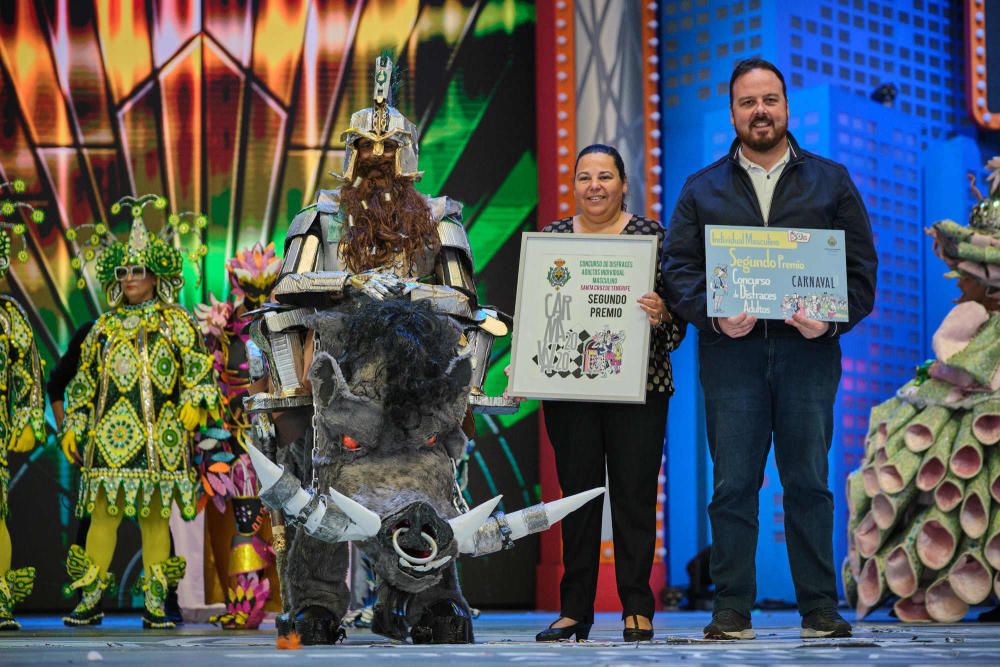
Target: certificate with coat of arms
(770, 272)
(579, 333)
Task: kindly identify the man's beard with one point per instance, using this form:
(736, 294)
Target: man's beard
(747, 138)
(393, 219)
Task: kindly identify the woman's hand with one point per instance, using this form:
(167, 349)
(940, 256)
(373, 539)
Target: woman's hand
(516, 399)
(656, 311)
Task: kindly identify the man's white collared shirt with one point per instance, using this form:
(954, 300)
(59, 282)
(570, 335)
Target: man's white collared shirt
(764, 180)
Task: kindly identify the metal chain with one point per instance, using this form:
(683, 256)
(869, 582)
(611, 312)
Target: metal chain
(315, 430)
(457, 500)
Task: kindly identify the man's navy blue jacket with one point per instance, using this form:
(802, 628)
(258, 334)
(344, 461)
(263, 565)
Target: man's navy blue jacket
(811, 193)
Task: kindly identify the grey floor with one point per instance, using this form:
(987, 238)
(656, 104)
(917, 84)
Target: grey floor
(509, 638)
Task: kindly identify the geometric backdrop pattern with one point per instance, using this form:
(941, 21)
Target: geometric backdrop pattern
(234, 109)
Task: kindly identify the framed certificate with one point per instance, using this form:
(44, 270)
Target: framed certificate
(579, 333)
(770, 272)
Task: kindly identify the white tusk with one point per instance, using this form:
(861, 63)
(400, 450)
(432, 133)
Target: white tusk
(555, 512)
(267, 470)
(365, 522)
(268, 474)
(464, 526)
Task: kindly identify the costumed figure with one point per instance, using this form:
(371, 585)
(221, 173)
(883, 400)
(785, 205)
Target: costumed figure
(143, 388)
(925, 504)
(375, 349)
(22, 405)
(226, 470)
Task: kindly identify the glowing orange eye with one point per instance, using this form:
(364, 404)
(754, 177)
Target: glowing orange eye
(350, 443)
(431, 440)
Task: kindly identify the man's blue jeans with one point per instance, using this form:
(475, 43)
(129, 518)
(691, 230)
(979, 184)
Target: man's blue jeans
(756, 388)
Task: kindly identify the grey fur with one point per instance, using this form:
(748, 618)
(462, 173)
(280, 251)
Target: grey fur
(393, 470)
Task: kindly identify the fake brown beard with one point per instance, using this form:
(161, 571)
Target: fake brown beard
(385, 229)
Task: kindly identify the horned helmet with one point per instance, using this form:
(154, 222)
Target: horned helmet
(157, 253)
(252, 273)
(380, 123)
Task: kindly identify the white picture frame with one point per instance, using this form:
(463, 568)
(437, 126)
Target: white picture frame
(579, 333)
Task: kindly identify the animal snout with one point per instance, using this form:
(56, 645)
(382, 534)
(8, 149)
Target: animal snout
(417, 535)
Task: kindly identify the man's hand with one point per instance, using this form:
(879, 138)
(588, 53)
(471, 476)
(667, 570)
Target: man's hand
(737, 326)
(808, 328)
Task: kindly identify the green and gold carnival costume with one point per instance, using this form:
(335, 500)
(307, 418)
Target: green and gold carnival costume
(21, 402)
(22, 405)
(139, 366)
(144, 385)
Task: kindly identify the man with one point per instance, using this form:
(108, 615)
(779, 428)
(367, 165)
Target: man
(143, 386)
(22, 409)
(769, 379)
(374, 235)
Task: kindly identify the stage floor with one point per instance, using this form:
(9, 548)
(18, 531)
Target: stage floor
(504, 638)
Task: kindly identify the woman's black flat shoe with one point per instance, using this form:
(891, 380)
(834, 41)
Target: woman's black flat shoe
(550, 634)
(636, 634)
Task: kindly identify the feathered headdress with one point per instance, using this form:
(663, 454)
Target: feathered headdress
(252, 273)
(8, 208)
(161, 253)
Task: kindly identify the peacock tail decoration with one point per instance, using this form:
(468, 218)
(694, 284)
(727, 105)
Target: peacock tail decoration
(162, 253)
(9, 208)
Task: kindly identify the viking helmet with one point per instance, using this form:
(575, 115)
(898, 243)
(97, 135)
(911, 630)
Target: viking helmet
(379, 123)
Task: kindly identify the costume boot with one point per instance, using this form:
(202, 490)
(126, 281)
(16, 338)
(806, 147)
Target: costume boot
(159, 579)
(14, 587)
(88, 580)
(248, 588)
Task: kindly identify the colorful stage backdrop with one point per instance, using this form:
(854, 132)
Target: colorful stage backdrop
(235, 109)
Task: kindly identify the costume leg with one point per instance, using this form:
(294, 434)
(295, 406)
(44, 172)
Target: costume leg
(5, 548)
(88, 569)
(102, 537)
(316, 573)
(441, 615)
(634, 437)
(15, 585)
(576, 439)
(162, 571)
(734, 376)
(155, 533)
(807, 374)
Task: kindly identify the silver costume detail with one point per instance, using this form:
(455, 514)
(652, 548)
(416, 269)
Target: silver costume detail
(264, 402)
(255, 361)
(535, 518)
(450, 234)
(328, 283)
(443, 298)
(380, 123)
(262, 434)
(280, 320)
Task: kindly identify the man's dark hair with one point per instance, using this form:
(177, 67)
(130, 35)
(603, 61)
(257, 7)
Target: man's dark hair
(744, 66)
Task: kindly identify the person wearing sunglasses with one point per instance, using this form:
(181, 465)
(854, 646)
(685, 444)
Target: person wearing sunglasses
(143, 388)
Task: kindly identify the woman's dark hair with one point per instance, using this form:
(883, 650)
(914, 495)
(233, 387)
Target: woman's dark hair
(744, 66)
(606, 150)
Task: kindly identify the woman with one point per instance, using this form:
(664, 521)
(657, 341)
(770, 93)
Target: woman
(626, 438)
